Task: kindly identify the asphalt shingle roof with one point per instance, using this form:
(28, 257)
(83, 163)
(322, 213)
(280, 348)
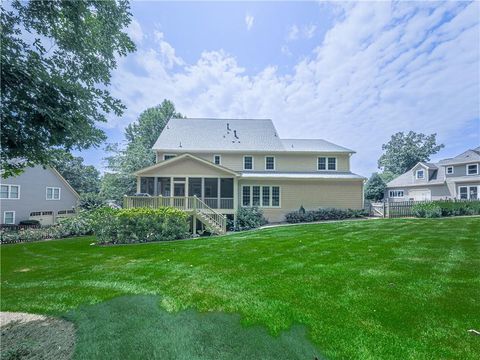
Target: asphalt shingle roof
(234, 135)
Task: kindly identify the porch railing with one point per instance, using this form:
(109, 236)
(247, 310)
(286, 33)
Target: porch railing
(187, 203)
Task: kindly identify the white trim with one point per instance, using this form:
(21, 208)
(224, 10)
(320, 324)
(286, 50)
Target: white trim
(327, 158)
(9, 192)
(466, 169)
(253, 162)
(274, 163)
(171, 156)
(53, 193)
(416, 174)
(9, 211)
(447, 172)
(219, 159)
(468, 187)
(261, 196)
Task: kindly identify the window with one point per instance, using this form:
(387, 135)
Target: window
(420, 174)
(217, 159)
(168, 156)
(10, 191)
(395, 193)
(325, 163)
(472, 169)
(246, 196)
(248, 162)
(449, 170)
(9, 217)
(263, 196)
(53, 193)
(36, 213)
(269, 163)
(468, 192)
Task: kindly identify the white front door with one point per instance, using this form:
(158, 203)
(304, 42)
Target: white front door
(420, 195)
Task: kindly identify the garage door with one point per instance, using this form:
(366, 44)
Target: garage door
(420, 195)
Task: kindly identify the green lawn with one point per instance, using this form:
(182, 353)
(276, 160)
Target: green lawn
(380, 289)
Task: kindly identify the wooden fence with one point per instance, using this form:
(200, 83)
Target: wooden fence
(400, 209)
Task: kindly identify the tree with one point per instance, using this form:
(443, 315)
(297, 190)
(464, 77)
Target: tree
(375, 188)
(137, 154)
(83, 178)
(403, 152)
(56, 61)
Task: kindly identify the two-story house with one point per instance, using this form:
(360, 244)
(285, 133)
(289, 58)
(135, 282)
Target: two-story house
(455, 178)
(230, 163)
(36, 194)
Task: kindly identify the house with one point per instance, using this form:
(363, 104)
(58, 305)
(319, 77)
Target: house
(454, 178)
(230, 163)
(36, 194)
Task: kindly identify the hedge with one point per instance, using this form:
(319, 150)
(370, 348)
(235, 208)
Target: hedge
(323, 214)
(137, 225)
(442, 208)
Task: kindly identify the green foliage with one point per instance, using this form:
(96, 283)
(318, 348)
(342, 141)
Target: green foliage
(446, 208)
(91, 201)
(29, 222)
(124, 226)
(324, 214)
(56, 61)
(137, 154)
(404, 151)
(249, 218)
(375, 188)
(83, 178)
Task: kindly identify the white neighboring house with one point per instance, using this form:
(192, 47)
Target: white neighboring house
(454, 178)
(36, 194)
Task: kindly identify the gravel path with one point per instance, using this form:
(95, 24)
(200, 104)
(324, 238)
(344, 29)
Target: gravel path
(31, 336)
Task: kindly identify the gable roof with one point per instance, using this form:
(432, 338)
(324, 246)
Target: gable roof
(67, 184)
(471, 155)
(179, 158)
(436, 176)
(255, 135)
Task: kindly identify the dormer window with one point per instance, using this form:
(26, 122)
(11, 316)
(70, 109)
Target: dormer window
(449, 170)
(217, 159)
(472, 169)
(269, 163)
(420, 174)
(324, 163)
(168, 156)
(248, 162)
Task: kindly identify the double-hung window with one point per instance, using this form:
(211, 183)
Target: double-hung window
(9, 191)
(248, 162)
(269, 163)
(468, 192)
(261, 196)
(9, 217)
(327, 163)
(168, 156)
(217, 159)
(53, 193)
(395, 193)
(449, 170)
(472, 169)
(420, 174)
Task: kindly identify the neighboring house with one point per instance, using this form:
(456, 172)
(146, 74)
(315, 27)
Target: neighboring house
(36, 194)
(455, 178)
(230, 163)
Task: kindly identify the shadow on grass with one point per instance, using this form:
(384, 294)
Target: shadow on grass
(135, 327)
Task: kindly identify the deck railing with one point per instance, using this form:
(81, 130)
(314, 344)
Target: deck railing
(186, 203)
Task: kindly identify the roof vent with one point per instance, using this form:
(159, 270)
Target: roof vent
(180, 144)
(235, 134)
(228, 126)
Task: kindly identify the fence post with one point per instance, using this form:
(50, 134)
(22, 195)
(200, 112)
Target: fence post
(384, 209)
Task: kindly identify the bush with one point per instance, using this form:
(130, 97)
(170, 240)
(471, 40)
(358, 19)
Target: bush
(250, 218)
(91, 201)
(446, 208)
(323, 214)
(124, 226)
(29, 223)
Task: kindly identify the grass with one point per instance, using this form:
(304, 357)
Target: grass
(382, 289)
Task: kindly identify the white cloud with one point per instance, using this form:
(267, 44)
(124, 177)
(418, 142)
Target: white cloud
(249, 21)
(135, 32)
(380, 69)
(305, 32)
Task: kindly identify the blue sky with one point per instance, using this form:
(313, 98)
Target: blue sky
(351, 73)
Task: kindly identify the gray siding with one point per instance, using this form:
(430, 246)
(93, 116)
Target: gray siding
(458, 170)
(33, 184)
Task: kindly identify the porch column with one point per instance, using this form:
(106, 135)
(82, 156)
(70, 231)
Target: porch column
(155, 186)
(171, 190)
(203, 189)
(235, 200)
(218, 193)
(139, 179)
(187, 205)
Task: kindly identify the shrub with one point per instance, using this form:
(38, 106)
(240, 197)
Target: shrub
(123, 226)
(323, 214)
(80, 224)
(29, 223)
(446, 208)
(91, 201)
(250, 218)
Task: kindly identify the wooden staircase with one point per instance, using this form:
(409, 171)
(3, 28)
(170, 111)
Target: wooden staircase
(215, 222)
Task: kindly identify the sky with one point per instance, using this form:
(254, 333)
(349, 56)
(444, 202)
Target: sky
(350, 73)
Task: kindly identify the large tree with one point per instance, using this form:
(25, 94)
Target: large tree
(375, 188)
(83, 178)
(137, 154)
(403, 151)
(56, 61)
